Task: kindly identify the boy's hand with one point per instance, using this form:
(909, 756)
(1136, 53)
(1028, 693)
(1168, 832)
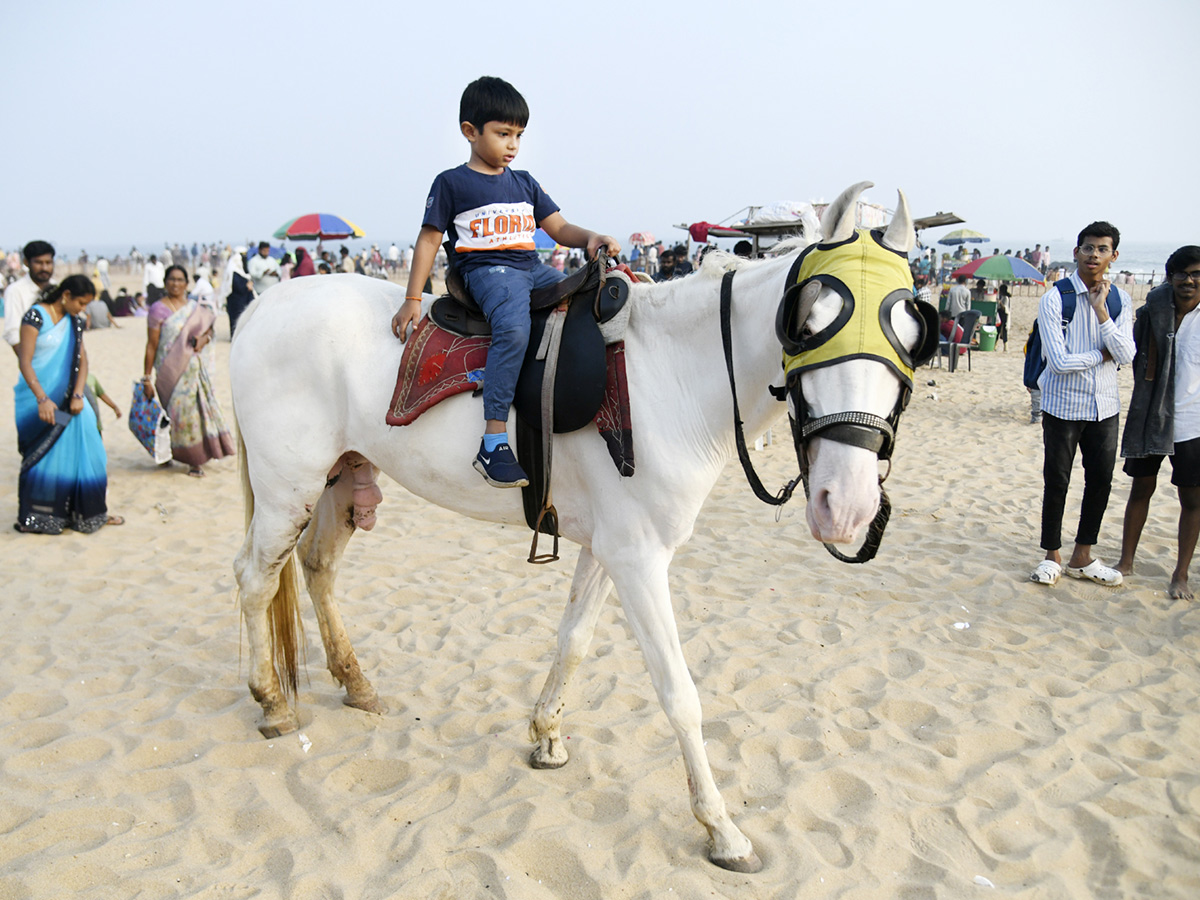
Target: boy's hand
(1098, 297)
(407, 314)
(596, 241)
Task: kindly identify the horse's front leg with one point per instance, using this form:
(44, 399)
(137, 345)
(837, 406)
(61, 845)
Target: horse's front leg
(320, 550)
(589, 588)
(645, 596)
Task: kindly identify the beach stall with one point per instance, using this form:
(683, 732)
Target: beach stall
(762, 225)
(765, 225)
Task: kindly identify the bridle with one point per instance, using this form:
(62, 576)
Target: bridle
(863, 261)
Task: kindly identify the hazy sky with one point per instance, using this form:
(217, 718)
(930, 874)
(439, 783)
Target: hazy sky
(143, 122)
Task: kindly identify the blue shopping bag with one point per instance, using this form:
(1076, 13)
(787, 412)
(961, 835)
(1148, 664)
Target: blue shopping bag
(150, 425)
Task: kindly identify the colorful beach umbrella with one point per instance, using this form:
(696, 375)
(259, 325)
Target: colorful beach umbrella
(999, 268)
(644, 238)
(964, 236)
(322, 226)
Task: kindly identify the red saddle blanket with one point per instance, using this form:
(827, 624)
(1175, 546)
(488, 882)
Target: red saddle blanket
(437, 364)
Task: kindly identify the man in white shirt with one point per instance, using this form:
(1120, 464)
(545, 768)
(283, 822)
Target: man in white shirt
(1080, 400)
(23, 293)
(393, 257)
(152, 279)
(102, 274)
(202, 290)
(1164, 412)
(263, 270)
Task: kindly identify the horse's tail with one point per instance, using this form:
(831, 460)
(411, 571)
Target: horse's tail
(283, 613)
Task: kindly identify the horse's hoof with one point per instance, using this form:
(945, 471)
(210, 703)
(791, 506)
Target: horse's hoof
(287, 726)
(748, 864)
(371, 704)
(548, 755)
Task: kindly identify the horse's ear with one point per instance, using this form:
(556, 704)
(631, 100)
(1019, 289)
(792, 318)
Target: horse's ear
(900, 235)
(837, 222)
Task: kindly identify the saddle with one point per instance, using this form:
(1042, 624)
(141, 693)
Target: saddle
(581, 365)
(573, 373)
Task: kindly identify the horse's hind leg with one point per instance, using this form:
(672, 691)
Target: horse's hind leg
(641, 582)
(320, 551)
(589, 588)
(268, 592)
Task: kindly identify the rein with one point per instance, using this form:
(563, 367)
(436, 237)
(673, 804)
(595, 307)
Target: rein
(857, 428)
(756, 485)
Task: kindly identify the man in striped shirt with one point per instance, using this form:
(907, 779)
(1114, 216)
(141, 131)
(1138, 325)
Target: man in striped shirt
(1080, 403)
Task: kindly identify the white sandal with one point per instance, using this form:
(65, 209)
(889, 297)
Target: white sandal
(1098, 572)
(1047, 572)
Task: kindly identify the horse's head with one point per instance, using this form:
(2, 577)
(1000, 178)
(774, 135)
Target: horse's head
(852, 335)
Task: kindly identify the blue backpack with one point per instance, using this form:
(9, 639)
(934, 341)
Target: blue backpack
(1035, 361)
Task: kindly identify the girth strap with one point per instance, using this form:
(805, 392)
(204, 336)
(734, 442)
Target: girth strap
(548, 350)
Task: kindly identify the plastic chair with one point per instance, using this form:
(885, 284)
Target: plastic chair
(968, 321)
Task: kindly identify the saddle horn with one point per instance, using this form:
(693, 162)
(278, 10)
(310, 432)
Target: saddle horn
(837, 224)
(900, 235)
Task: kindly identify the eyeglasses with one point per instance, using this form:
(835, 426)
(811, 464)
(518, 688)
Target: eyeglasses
(1181, 277)
(1089, 249)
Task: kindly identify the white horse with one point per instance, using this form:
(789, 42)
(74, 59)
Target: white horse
(319, 351)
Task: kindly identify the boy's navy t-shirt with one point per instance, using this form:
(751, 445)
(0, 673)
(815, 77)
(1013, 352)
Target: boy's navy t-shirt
(490, 219)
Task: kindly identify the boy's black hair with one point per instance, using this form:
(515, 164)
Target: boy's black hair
(34, 249)
(489, 99)
(1100, 230)
(1181, 259)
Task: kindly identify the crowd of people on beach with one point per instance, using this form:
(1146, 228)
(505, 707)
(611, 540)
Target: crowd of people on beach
(492, 214)
(1072, 358)
(1075, 399)
(63, 476)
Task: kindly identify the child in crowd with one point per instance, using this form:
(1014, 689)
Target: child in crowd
(490, 213)
(97, 391)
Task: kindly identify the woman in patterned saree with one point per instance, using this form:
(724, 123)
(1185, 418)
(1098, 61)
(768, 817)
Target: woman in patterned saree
(63, 481)
(178, 331)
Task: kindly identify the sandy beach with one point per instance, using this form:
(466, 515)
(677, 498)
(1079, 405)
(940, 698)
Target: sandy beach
(928, 725)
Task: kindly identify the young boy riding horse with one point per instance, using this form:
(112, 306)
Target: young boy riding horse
(490, 213)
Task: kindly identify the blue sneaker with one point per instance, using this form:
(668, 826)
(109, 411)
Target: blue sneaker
(500, 468)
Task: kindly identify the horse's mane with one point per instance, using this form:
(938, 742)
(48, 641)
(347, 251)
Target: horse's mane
(715, 264)
(718, 262)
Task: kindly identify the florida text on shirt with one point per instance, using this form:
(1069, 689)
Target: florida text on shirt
(496, 226)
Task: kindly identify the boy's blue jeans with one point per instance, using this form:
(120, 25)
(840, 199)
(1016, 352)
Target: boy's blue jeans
(502, 292)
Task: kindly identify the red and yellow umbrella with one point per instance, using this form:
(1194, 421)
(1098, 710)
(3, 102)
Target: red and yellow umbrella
(318, 226)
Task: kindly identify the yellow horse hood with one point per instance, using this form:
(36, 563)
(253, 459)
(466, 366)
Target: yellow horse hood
(871, 279)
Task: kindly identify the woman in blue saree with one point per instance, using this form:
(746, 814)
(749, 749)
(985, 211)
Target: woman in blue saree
(63, 477)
